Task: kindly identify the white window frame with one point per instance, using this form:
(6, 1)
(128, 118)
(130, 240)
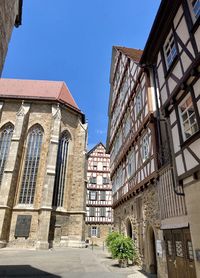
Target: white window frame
(138, 102)
(94, 231)
(93, 195)
(186, 117)
(145, 147)
(131, 164)
(170, 47)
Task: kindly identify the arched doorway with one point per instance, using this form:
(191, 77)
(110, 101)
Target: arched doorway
(129, 230)
(151, 243)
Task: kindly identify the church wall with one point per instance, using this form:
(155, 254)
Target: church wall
(70, 218)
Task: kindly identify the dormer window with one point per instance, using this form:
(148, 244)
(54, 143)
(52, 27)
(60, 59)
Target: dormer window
(170, 50)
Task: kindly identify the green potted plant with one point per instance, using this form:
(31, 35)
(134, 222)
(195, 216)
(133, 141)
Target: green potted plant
(122, 248)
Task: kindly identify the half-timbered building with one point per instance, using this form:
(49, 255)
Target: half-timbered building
(99, 217)
(42, 157)
(172, 52)
(132, 145)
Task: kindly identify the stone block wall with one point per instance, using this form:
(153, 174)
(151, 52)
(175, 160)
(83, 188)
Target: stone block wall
(139, 218)
(46, 226)
(104, 230)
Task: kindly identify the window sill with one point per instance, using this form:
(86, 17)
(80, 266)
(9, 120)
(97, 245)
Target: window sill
(172, 66)
(191, 139)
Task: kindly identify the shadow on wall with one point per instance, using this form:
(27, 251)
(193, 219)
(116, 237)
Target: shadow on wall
(19, 271)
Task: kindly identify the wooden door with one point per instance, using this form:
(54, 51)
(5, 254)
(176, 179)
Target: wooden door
(170, 252)
(180, 257)
(179, 262)
(191, 272)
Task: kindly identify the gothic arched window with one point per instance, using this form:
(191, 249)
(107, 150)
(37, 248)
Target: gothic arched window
(31, 163)
(5, 140)
(61, 164)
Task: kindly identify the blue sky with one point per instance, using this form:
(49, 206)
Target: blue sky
(71, 40)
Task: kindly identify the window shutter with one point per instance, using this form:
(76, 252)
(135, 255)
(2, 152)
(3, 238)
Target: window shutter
(102, 195)
(98, 231)
(89, 231)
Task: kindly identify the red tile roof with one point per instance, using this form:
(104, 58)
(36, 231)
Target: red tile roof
(37, 89)
(134, 54)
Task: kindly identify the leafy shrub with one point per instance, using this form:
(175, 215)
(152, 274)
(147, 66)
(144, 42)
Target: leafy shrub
(110, 239)
(121, 247)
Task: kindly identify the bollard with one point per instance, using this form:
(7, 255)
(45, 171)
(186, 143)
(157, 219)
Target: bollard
(92, 246)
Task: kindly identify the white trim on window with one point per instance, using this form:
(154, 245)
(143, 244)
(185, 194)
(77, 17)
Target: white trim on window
(145, 147)
(138, 102)
(188, 118)
(170, 50)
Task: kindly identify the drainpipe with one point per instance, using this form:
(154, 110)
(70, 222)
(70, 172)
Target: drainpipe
(158, 119)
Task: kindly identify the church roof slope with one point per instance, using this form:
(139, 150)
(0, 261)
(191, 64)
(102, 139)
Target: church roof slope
(37, 89)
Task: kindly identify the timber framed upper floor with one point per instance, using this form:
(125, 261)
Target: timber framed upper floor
(174, 50)
(99, 188)
(131, 139)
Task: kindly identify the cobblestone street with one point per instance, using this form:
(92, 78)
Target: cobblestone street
(65, 263)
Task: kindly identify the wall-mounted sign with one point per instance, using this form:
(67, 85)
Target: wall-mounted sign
(159, 249)
(23, 225)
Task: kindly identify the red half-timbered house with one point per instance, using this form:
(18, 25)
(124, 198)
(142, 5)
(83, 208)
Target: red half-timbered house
(99, 195)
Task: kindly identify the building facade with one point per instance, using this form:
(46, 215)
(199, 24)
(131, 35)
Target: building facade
(99, 217)
(10, 16)
(42, 158)
(132, 144)
(173, 52)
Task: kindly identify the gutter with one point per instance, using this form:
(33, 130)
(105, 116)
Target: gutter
(171, 160)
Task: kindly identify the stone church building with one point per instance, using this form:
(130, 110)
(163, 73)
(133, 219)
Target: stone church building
(42, 165)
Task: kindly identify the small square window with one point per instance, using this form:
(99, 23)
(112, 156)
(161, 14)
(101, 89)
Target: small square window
(93, 195)
(93, 180)
(170, 50)
(93, 231)
(105, 180)
(188, 118)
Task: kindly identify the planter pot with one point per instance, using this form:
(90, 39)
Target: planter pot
(123, 263)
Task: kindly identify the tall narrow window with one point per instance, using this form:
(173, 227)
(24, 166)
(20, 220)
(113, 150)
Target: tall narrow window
(31, 166)
(170, 50)
(5, 140)
(61, 170)
(138, 102)
(145, 147)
